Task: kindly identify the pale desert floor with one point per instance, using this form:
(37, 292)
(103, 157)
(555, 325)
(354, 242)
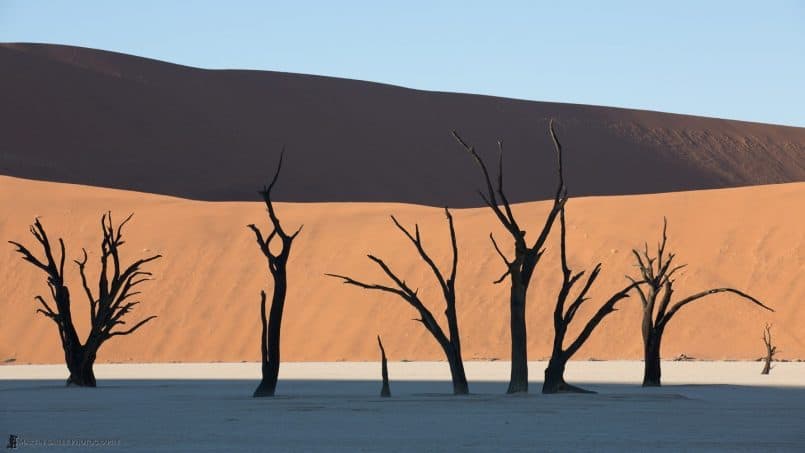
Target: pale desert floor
(725, 406)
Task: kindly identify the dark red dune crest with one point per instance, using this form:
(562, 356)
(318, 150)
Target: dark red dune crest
(99, 118)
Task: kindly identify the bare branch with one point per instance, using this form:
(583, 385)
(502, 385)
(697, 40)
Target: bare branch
(560, 189)
(643, 298)
(446, 285)
(259, 236)
(490, 198)
(497, 249)
(264, 323)
(41, 235)
(563, 245)
(123, 281)
(607, 308)
(708, 292)
(298, 230)
(277, 172)
(582, 296)
(47, 310)
(667, 292)
(82, 271)
(502, 194)
(672, 271)
(28, 256)
(454, 246)
(132, 329)
(119, 232)
(350, 281)
(502, 277)
(266, 195)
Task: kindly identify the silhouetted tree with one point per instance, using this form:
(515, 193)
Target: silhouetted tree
(385, 391)
(521, 267)
(277, 263)
(114, 299)
(450, 342)
(554, 373)
(657, 272)
(771, 350)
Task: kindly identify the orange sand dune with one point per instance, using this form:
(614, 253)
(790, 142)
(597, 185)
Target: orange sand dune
(207, 291)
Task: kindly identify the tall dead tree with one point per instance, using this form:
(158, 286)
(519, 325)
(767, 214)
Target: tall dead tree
(113, 300)
(656, 273)
(771, 350)
(554, 373)
(277, 264)
(520, 268)
(449, 342)
(385, 391)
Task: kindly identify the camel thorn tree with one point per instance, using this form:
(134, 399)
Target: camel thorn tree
(385, 391)
(277, 266)
(656, 273)
(554, 373)
(108, 307)
(520, 268)
(771, 350)
(450, 342)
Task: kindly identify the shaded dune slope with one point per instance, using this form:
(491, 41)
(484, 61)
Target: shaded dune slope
(207, 289)
(104, 119)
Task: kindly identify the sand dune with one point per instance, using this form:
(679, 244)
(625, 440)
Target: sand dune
(104, 119)
(207, 289)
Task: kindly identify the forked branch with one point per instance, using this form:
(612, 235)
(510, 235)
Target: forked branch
(275, 260)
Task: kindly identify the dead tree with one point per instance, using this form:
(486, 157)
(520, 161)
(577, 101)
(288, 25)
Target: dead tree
(771, 350)
(277, 264)
(656, 273)
(449, 342)
(554, 373)
(520, 268)
(114, 299)
(385, 391)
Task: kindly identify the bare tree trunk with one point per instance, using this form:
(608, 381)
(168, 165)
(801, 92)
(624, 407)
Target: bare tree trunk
(555, 371)
(555, 378)
(459, 378)
(770, 350)
(651, 358)
(385, 391)
(518, 380)
(271, 359)
(766, 365)
(274, 325)
(75, 355)
(270, 344)
(80, 366)
(652, 338)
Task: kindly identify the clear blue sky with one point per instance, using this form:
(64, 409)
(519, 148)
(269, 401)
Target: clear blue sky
(730, 59)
